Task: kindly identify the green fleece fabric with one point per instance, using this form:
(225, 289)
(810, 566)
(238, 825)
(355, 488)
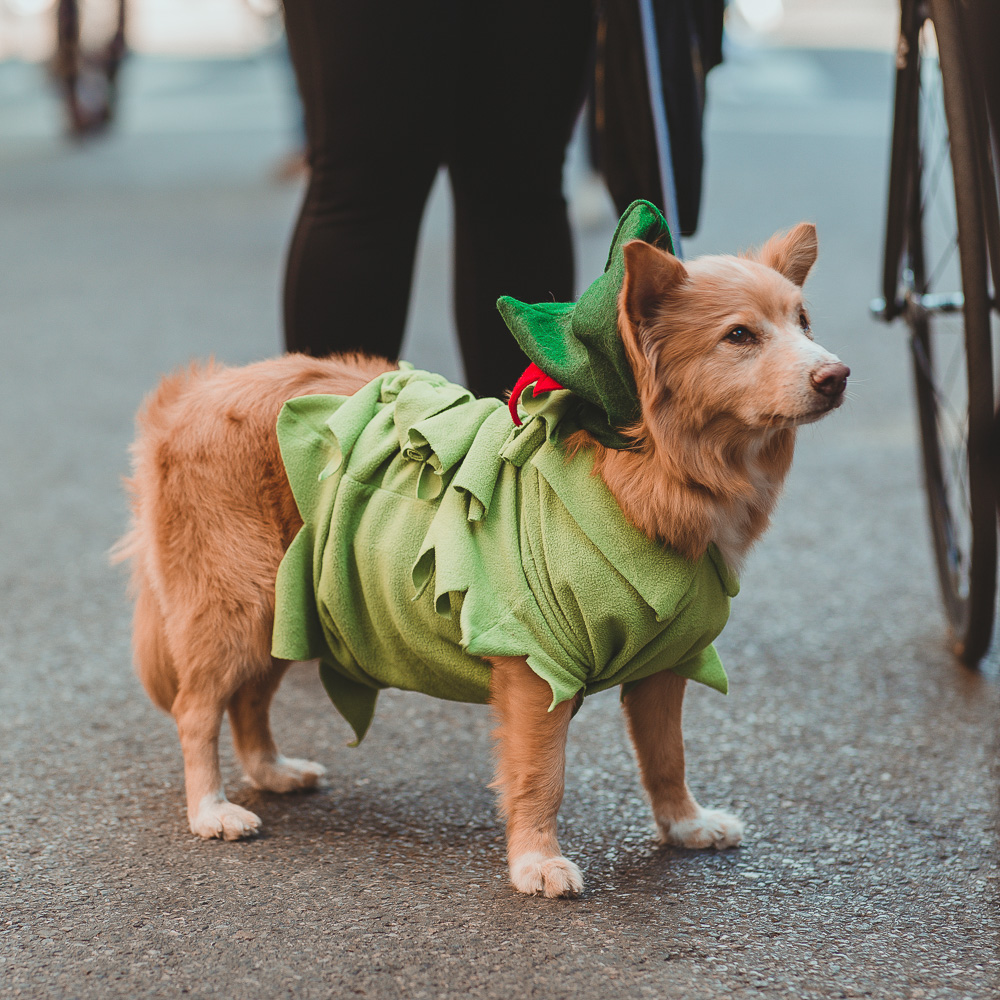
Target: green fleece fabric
(435, 534)
(578, 344)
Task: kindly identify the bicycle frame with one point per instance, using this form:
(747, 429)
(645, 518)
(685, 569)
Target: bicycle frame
(981, 18)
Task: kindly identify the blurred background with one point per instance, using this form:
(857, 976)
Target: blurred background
(859, 752)
(206, 95)
(174, 27)
(211, 27)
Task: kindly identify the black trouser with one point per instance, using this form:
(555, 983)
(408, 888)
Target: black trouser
(391, 91)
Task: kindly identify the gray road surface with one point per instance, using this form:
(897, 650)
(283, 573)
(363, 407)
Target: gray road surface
(857, 751)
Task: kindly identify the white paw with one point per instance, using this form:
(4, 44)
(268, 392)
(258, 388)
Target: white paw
(286, 774)
(710, 828)
(551, 876)
(222, 818)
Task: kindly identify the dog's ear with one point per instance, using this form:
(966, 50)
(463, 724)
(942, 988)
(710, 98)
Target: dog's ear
(793, 253)
(649, 275)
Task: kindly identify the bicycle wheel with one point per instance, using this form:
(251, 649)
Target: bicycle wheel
(946, 302)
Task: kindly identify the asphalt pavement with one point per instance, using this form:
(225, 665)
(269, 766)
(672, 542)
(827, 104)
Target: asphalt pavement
(861, 756)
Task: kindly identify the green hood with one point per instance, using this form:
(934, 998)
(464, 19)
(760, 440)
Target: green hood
(578, 343)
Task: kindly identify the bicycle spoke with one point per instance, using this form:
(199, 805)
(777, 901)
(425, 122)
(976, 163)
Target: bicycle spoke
(947, 256)
(952, 429)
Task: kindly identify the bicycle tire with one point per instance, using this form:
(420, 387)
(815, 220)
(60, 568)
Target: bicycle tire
(956, 453)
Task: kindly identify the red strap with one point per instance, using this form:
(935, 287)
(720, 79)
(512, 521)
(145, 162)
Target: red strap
(543, 383)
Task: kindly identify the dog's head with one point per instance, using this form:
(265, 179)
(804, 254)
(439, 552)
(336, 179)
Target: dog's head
(726, 341)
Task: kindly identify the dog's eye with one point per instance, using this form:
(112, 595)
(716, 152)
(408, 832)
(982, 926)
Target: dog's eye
(739, 335)
(804, 322)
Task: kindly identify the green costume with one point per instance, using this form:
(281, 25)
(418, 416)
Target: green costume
(435, 533)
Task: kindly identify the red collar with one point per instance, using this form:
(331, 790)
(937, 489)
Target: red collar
(543, 383)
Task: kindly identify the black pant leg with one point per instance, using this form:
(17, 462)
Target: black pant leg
(373, 78)
(522, 79)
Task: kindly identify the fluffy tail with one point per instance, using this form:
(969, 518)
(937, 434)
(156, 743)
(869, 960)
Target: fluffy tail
(153, 662)
(152, 420)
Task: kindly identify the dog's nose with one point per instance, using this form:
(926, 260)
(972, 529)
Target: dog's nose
(830, 380)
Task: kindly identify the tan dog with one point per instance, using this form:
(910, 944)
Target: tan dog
(726, 369)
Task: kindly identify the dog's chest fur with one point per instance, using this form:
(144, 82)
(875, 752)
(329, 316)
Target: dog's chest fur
(736, 523)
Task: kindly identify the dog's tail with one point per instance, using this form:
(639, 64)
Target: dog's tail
(152, 420)
(153, 662)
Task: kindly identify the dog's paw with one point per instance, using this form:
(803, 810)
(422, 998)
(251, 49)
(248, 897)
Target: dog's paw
(710, 828)
(286, 774)
(224, 819)
(537, 873)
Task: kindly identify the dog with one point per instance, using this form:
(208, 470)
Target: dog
(725, 368)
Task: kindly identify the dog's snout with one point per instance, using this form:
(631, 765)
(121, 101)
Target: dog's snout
(830, 380)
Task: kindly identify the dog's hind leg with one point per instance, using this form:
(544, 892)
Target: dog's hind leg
(653, 711)
(198, 713)
(531, 763)
(218, 650)
(249, 718)
(196, 697)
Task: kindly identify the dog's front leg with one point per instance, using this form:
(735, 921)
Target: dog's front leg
(531, 763)
(653, 710)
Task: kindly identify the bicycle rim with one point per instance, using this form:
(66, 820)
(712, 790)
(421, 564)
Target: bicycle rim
(945, 266)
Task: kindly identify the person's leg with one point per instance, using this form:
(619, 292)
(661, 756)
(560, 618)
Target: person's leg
(372, 83)
(523, 77)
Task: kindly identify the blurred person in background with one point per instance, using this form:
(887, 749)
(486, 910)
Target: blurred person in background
(393, 90)
(87, 69)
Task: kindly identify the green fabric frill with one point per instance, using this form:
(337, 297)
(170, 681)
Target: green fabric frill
(435, 534)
